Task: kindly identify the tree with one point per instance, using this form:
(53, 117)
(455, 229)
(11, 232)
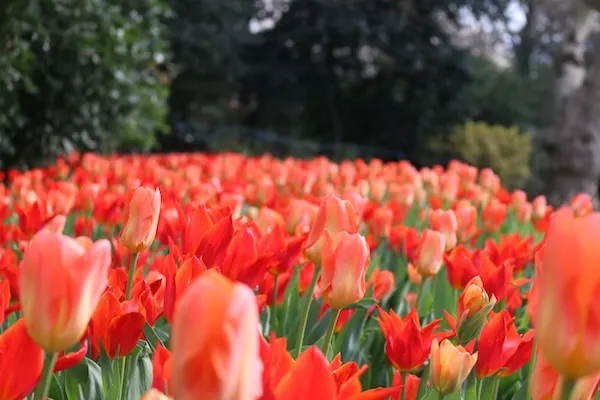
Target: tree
(78, 74)
(571, 145)
(369, 72)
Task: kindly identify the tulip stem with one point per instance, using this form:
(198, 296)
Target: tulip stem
(567, 389)
(131, 275)
(305, 311)
(274, 306)
(43, 386)
(440, 395)
(335, 313)
(124, 372)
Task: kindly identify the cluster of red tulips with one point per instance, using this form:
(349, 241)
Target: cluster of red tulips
(224, 277)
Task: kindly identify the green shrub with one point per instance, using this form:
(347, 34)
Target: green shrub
(79, 73)
(503, 149)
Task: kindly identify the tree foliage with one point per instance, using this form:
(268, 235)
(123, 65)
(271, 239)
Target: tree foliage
(78, 73)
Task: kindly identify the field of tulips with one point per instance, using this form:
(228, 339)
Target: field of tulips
(223, 277)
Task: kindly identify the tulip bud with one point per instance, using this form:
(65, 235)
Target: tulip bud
(445, 222)
(334, 216)
(141, 219)
(466, 217)
(61, 282)
(449, 367)
(345, 260)
(473, 307)
(539, 206)
(430, 253)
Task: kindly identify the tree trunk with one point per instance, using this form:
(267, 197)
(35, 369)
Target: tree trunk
(571, 146)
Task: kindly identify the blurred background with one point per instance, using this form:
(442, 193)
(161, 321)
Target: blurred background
(509, 84)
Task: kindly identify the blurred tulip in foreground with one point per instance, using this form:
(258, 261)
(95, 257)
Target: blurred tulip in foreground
(568, 317)
(61, 282)
(141, 219)
(216, 352)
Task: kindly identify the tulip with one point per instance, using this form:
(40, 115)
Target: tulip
(334, 216)
(216, 352)
(449, 367)
(407, 344)
(117, 326)
(21, 362)
(61, 282)
(546, 383)
(430, 253)
(567, 311)
(473, 307)
(539, 206)
(345, 260)
(154, 394)
(446, 223)
(141, 219)
(466, 217)
(161, 369)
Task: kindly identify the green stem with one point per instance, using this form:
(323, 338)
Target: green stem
(420, 296)
(495, 387)
(130, 275)
(274, 306)
(567, 388)
(43, 386)
(305, 310)
(124, 363)
(335, 313)
(440, 395)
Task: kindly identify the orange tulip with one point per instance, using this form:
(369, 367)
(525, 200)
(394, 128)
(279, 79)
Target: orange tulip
(154, 394)
(161, 369)
(21, 362)
(334, 216)
(141, 219)
(345, 260)
(473, 307)
(445, 221)
(567, 316)
(216, 353)
(117, 325)
(450, 365)
(430, 253)
(546, 383)
(61, 282)
(467, 222)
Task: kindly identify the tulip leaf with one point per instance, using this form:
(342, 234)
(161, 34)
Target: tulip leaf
(69, 229)
(366, 303)
(318, 329)
(85, 377)
(56, 391)
(444, 297)
(140, 375)
(153, 339)
(425, 297)
(423, 383)
(348, 341)
(289, 306)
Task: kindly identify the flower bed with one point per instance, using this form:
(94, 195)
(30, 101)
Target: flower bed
(198, 276)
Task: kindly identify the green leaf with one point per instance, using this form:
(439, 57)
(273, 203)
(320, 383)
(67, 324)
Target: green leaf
(153, 339)
(425, 299)
(423, 383)
(318, 329)
(366, 303)
(85, 377)
(444, 297)
(289, 306)
(56, 391)
(70, 225)
(348, 341)
(140, 376)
